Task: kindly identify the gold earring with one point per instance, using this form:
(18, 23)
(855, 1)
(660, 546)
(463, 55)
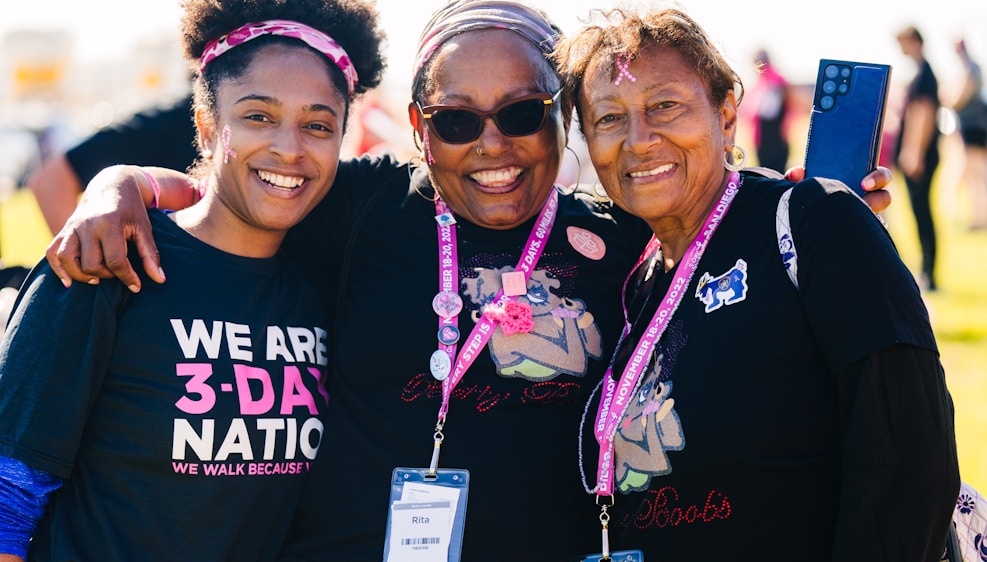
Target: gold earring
(730, 158)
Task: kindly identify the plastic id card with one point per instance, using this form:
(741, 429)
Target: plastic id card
(427, 515)
(618, 556)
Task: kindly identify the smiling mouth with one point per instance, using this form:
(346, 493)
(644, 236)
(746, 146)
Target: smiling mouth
(496, 178)
(279, 181)
(654, 172)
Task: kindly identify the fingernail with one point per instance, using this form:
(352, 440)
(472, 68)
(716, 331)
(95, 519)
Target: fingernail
(93, 281)
(868, 183)
(134, 288)
(66, 282)
(161, 273)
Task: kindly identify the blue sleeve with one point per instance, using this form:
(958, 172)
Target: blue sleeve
(24, 494)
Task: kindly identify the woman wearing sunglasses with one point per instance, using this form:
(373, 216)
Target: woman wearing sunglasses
(473, 304)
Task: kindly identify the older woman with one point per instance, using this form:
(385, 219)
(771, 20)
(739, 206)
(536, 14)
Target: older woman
(766, 417)
(417, 303)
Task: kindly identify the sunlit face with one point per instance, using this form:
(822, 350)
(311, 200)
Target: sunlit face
(657, 143)
(285, 120)
(509, 182)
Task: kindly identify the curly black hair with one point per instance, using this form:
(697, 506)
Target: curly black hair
(351, 23)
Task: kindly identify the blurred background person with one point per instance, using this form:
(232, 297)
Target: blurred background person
(971, 112)
(770, 103)
(160, 136)
(917, 154)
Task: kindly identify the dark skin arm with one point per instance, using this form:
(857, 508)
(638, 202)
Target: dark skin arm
(112, 211)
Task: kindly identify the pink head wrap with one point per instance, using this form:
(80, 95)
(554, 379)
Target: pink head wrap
(460, 16)
(286, 28)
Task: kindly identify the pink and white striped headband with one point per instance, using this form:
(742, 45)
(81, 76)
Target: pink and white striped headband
(287, 28)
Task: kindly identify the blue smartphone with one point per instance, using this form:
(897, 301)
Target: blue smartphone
(847, 121)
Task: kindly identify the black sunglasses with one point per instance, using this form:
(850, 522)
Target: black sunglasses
(456, 124)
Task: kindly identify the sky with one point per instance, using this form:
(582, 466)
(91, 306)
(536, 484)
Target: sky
(796, 33)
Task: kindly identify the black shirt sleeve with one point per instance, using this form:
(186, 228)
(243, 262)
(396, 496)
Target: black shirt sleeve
(159, 137)
(900, 469)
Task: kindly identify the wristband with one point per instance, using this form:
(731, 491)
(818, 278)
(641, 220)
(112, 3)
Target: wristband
(154, 188)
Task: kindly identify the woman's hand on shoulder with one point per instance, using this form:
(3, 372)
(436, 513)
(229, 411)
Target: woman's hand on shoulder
(877, 198)
(93, 243)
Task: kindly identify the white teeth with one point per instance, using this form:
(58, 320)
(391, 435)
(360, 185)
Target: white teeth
(277, 180)
(656, 171)
(492, 178)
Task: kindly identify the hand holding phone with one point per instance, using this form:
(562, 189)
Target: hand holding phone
(847, 121)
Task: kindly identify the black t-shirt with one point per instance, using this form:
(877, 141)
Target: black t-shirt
(923, 85)
(513, 420)
(183, 417)
(768, 428)
(162, 137)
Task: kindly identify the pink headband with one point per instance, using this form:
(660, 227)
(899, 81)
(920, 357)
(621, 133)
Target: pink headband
(286, 28)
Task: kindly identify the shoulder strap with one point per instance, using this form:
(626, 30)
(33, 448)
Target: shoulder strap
(786, 244)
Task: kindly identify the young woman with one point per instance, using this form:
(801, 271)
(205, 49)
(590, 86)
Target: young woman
(179, 424)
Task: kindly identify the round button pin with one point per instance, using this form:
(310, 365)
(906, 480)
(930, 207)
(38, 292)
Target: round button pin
(440, 365)
(447, 304)
(448, 335)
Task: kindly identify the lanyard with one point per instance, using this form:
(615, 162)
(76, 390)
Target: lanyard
(616, 395)
(448, 303)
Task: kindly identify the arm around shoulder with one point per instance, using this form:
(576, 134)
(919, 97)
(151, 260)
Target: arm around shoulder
(113, 211)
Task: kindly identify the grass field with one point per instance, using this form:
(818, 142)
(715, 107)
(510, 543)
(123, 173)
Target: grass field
(958, 309)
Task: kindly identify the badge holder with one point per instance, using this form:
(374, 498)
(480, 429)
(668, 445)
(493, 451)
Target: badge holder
(427, 515)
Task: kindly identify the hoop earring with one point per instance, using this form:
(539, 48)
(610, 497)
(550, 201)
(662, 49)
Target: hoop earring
(579, 174)
(600, 194)
(418, 160)
(730, 158)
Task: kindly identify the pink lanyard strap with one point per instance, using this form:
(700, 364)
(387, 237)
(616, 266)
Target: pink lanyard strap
(449, 281)
(616, 394)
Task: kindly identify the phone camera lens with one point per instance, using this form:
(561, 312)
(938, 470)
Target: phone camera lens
(826, 102)
(844, 87)
(845, 72)
(829, 86)
(831, 71)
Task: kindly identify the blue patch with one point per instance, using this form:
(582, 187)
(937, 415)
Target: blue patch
(727, 289)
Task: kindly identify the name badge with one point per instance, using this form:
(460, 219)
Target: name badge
(427, 515)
